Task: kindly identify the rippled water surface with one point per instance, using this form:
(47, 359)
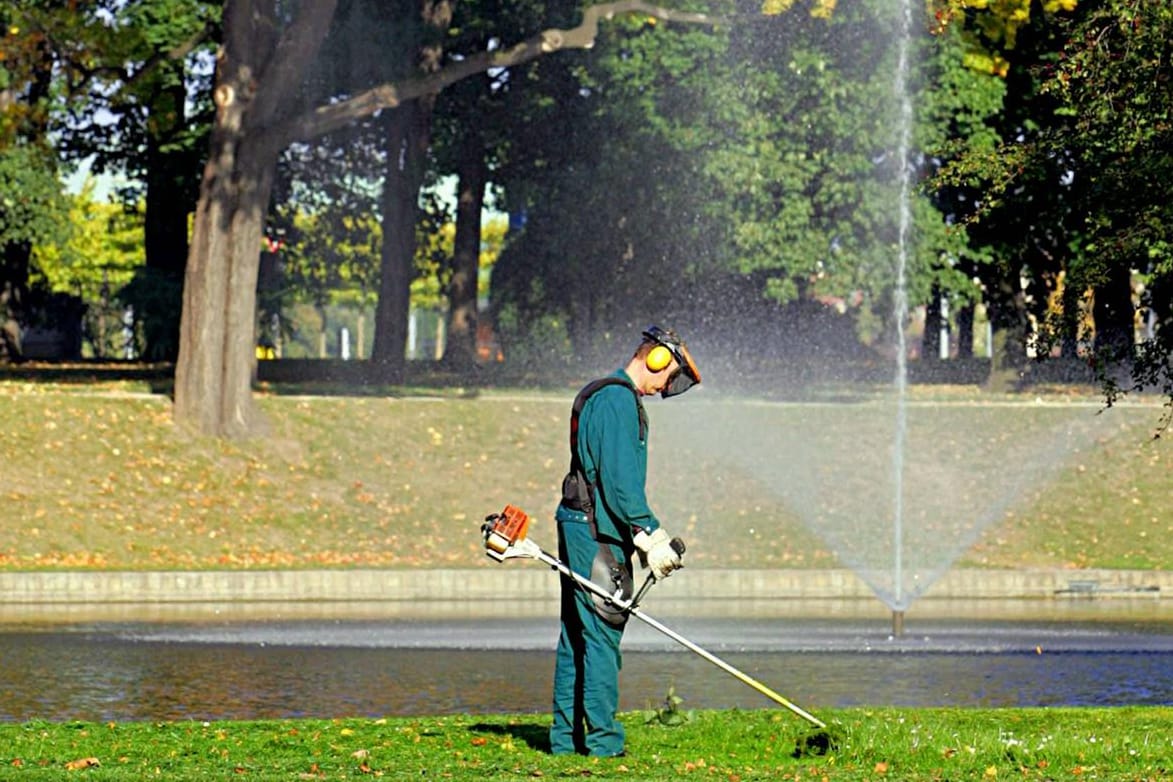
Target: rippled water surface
(368, 667)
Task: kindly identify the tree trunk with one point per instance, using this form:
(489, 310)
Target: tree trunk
(259, 68)
(1072, 302)
(931, 340)
(14, 283)
(460, 353)
(965, 318)
(1011, 327)
(408, 135)
(165, 226)
(1114, 313)
(218, 328)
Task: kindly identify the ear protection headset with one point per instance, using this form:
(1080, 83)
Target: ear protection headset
(668, 348)
(658, 358)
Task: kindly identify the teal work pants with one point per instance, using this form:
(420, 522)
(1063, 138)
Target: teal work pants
(587, 663)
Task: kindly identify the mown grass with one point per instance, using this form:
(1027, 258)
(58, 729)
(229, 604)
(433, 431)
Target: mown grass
(98, 476)
(871, 744)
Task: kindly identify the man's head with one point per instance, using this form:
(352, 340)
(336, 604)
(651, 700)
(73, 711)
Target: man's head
(662, 364)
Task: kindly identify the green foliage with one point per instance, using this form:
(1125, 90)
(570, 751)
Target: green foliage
(1112, 82)
(101, 252)
(140, 99)
(669, 714)
(33, 209)
(97, 262)
(330, 237)
(762, 153)
(607, 171)
(991, 28)
(1076, 177)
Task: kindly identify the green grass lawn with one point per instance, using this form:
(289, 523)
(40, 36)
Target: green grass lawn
(98, 476)
(732, 746)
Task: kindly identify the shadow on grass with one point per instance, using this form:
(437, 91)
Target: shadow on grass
(159, 378)
(536, 737)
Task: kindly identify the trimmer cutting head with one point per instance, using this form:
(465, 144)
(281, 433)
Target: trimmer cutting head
(816, 743)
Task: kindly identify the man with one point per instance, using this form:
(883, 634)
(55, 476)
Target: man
(603, 519)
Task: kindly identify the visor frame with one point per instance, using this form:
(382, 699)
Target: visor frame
(686, 375)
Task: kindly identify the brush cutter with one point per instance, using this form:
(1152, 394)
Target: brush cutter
(505, 538)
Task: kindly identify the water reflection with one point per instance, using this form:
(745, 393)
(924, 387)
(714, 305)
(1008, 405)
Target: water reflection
(204, 670)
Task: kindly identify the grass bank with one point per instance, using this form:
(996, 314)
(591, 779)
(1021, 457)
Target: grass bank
(97, 476)
(737, 746)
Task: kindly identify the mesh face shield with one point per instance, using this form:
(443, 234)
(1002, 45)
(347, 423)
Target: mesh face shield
(686, 375)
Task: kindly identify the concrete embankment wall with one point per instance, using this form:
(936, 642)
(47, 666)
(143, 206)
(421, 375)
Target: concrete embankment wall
(506, 589)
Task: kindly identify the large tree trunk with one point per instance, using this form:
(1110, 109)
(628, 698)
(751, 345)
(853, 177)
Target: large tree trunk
(217, 331)
(461, 352)
(259, 68)
(408, 135)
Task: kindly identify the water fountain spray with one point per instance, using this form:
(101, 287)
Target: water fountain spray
(903, 146)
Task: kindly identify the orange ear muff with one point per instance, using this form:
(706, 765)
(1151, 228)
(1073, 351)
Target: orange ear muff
(658, 358)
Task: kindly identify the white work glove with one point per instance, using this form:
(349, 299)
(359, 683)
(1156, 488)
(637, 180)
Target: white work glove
(656, 552)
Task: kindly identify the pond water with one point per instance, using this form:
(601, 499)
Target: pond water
(366, 667)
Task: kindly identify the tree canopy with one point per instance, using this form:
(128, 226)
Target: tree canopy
(714, 167)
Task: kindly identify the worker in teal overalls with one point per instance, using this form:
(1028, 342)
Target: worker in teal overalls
(603, 520)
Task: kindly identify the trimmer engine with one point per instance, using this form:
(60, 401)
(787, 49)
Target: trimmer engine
(502, 530)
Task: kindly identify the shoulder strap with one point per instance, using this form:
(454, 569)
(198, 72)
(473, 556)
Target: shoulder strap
(586, 393)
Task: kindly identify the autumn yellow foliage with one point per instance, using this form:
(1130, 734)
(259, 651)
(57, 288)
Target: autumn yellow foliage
(820, 9)
(998, 21)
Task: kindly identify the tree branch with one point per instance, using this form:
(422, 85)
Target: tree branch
(295, 52)
(325, 119)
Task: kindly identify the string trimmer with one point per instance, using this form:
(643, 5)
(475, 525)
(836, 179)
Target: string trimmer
(505, 538)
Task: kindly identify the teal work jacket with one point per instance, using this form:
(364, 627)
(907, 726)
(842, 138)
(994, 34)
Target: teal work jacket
(615, 460)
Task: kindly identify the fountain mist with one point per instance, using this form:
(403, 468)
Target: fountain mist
(897, 489)
(903, 146)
